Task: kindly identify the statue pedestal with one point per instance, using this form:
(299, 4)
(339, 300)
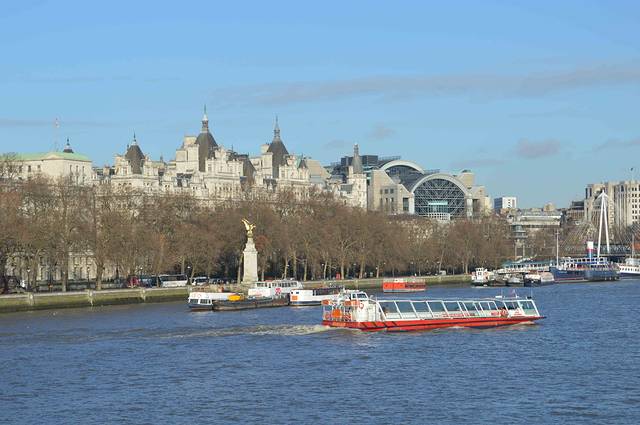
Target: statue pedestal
(250, 274)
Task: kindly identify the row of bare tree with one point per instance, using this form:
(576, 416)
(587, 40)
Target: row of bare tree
(315, 238)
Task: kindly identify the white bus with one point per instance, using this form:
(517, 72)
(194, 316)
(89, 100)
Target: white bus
(173, 280)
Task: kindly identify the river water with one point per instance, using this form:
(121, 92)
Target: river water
(159, 363)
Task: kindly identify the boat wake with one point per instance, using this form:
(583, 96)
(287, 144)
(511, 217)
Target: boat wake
(282, 330)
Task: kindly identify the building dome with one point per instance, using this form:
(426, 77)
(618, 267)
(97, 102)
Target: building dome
(135, 157)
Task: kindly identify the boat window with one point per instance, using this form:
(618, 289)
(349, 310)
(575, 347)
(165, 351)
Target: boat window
(452, 306)
(511, 305)
(420, 306)
(470, 305)
(363, 296)
(436, 306)
(405, 307)
(528, 307)
(388, 307)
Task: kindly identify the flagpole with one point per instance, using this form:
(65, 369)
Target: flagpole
(56, 126)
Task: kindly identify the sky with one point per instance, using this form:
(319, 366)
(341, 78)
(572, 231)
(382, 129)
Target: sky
(538, 98)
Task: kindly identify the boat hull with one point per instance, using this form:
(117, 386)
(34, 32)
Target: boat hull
(585, 275)
(421, 325)
(199, 307)
(247, 304)
(305, 303)
(531, 283)
(391, 291)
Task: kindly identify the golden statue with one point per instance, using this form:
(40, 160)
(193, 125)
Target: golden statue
(249, 227)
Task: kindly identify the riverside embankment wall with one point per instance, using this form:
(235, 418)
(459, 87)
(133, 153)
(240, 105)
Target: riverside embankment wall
(92, 298)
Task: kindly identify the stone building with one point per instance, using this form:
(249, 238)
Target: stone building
(78, 168)
(623, 206)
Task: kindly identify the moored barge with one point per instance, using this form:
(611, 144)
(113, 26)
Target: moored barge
(359, 311)
(404, 285)
(250, 302)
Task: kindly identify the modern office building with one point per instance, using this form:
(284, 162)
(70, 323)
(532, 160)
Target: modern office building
(505, 203)
(398, 186)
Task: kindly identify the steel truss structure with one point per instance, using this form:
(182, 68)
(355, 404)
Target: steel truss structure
(441, 196)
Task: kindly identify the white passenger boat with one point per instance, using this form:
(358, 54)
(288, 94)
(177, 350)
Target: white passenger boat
(274, 288)
(303, 297)
(514, 280)
(357, 310)
(538, 279)
(202, 300)
(630, 269)
(482, 276)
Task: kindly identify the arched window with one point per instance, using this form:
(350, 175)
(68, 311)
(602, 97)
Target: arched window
(439, 196)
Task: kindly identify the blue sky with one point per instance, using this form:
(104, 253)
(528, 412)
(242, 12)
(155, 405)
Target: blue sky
(538, 98)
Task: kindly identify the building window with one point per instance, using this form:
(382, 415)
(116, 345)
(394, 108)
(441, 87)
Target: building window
(39, 168)
(28, 168)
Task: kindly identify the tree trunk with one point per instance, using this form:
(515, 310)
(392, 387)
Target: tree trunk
(65, 271)
(294, 268)
(239, 279)
(99, 272)
(286, 267)
(342, 270)
(4, 283)
(305, 271)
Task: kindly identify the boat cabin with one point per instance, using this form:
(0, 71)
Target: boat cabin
(434, 309)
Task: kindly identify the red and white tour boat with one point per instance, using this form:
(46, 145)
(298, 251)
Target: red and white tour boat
(359, 311)
(404, 285)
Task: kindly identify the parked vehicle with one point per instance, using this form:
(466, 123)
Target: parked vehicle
(173, 280)
(149, 281)
(200, 280)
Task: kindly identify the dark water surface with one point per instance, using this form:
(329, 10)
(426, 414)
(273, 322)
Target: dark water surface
(158, 363)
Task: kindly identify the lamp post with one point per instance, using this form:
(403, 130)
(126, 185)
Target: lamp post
(189, 274)
(28, 271)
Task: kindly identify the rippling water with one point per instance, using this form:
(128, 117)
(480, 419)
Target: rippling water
(159, 363)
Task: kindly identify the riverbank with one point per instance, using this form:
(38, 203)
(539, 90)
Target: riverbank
(91, 298)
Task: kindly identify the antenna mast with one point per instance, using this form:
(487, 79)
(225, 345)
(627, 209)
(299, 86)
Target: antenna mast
(56, 128)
